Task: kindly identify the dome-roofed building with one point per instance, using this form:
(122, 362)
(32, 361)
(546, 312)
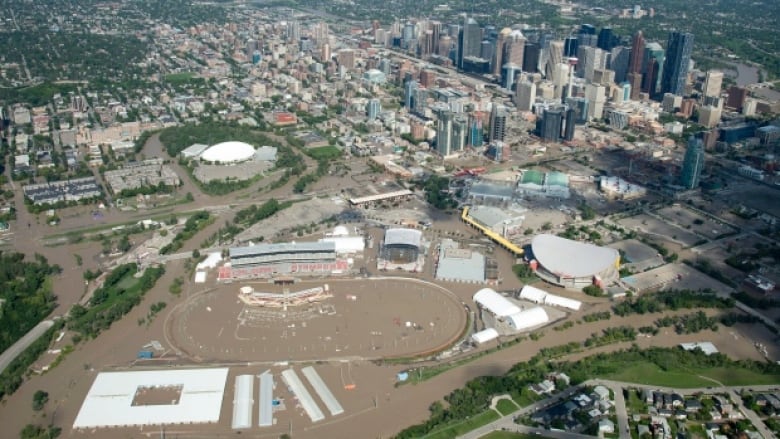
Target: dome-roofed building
(573, 264)
(228, 152)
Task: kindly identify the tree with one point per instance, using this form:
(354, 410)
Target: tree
(40, 398)
(124, 244)
(593, 290)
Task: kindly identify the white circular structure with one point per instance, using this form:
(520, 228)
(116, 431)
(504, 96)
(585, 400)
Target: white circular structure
(228, 152)
(573, 264)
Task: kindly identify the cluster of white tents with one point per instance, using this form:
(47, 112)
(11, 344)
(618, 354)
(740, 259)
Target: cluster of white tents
(536, 295)
(517, 318)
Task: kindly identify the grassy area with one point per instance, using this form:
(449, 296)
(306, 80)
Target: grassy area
(651, 374)
(455, 430)
(324, 152)
(634, 403)
(179, 77)
(739, 377)
(506, 406)
(127, 282)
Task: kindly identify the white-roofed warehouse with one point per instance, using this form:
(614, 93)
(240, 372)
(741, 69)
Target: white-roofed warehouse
(573, 264)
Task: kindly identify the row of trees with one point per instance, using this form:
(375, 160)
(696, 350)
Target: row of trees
(120, 292)
(672, 300)
(195, 223)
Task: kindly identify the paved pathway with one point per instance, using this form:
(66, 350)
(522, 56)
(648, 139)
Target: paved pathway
(23, 343)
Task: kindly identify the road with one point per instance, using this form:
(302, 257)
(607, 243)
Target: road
(507, 422)
(23, 343)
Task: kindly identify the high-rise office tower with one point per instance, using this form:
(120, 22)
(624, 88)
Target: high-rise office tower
(498, 116)
(554, 57)
(435, 27)
(444, 133)
(653, 64)
(605, 39)
(531, 54)
(470, 40)
(444, 47)
(476, 137)
(373, 108)
(637, 53)
(551, 123)
(508, 73)
(713, 83)
(591, 58)
(460, 133)
(618, 61)
(486, 49)
(692, 164)
(678, 57)
(568, 131)
(737, 97)
(525, 95)
(570, 46)
(410, 90)
(293, 30)
(596, 95)
(514, 49)
(635, 81)
(498, 55)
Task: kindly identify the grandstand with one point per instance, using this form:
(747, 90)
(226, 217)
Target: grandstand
(250, 297)
(401, 250)
(268, 260)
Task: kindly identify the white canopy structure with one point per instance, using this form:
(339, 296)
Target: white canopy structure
(536, 295)
(497, 304)
(484, 336)
(528, 319)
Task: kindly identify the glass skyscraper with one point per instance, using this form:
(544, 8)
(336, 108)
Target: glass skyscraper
(693, 163)
(675, 67)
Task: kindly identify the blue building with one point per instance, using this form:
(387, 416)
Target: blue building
(678, 58)
(692, 164)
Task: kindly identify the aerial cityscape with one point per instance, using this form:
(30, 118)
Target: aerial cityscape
(331, 219)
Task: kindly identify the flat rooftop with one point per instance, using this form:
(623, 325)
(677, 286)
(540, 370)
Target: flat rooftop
(116, 399)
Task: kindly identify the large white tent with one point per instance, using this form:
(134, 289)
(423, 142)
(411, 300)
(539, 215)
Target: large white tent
(497, 304)
(528, 318)
(536, 295)
(484, 336)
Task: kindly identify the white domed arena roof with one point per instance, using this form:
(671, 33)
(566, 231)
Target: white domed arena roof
(228, 152)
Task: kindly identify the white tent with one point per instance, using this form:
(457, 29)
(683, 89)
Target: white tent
(563, 302)
(484, 336)
(533, 294)
(495, 303)
(528, 319)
